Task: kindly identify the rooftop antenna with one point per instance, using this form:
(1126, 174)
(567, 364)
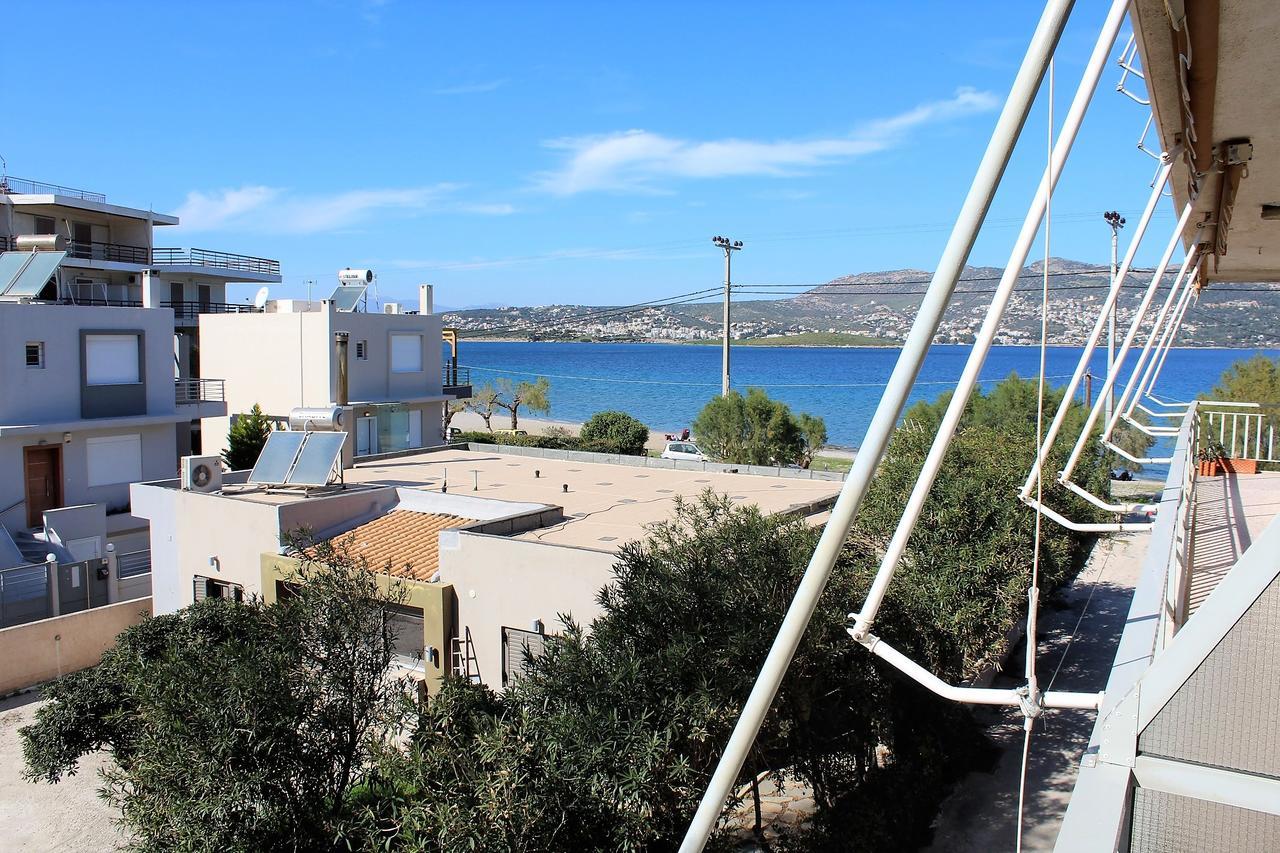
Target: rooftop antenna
(4, 174)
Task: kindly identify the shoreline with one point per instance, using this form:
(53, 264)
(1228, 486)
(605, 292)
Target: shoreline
(470, 421)
(896, 345)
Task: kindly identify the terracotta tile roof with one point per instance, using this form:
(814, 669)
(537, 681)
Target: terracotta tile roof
(409, 541)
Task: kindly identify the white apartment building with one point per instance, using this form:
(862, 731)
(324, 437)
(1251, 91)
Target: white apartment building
(384, 371)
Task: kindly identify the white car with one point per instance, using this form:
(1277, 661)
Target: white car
(685, 450)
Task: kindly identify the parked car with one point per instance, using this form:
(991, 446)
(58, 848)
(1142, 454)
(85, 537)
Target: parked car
(510, 432)
(685, 450)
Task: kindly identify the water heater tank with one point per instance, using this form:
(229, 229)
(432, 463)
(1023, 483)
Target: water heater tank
(323, 418)
(350, 276)
(40, 243)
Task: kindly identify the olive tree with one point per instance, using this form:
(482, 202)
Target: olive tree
(533, 396)
(236, 726)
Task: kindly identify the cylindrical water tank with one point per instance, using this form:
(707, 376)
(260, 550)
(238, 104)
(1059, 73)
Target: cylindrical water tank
(350, 276)
(40, 243)
(323, 418)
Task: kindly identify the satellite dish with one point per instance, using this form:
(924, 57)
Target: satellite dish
(260, 301)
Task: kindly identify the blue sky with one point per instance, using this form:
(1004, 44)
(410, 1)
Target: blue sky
(556, 152)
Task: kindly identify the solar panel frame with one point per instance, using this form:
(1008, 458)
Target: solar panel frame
(317, 459)
(346, 297)
(31, 272)
(283, 446)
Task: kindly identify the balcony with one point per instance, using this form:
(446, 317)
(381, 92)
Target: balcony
(21, 186)
(117, 253)
(193, 392)
(456, 381)
(192, 310)
(214, 260)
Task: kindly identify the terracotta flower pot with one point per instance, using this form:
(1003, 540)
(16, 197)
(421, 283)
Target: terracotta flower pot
(1242, 466)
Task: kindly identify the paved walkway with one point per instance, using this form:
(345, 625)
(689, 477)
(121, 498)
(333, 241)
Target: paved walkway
(39, 817)
(981, 814)
(1230, 511)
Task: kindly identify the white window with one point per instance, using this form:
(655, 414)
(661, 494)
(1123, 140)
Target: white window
(406, 353)
(362, 350)
(35, 353)
(113, 459)
(111, 360)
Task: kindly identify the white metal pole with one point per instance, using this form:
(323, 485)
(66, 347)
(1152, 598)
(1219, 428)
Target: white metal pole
(1174, 240)
(1155, 377)
(1111, 318)
(991, 324)
(1091, 344)
(1180, 284)
(928, 317)
(1166, 340)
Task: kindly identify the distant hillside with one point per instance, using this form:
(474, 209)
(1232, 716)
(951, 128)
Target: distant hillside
(880, 306)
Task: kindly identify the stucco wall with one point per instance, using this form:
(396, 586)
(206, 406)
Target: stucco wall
(52, 393)
(159, 460)
(42, 651)
(511, 582)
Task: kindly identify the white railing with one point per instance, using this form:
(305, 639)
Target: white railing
(1180, 539)
(1245, 435)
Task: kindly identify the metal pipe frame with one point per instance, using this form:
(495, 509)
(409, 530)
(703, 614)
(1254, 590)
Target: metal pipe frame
(1091, 343)
(1167, 337)
(977, 202)
(968, 381)
(972, 695)
(1091, 421)
(1155, 349)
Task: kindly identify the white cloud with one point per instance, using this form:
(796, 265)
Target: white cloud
(472, 88)
(272, 209)
(638, 160)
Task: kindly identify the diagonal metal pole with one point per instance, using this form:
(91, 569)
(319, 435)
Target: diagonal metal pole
(991, 323)
(1091, 344)
(933, 305)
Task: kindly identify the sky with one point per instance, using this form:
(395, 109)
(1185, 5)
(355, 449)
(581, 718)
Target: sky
(530, 154)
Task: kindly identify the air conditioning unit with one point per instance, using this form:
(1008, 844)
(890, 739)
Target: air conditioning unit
(201, 473)
(391, 308)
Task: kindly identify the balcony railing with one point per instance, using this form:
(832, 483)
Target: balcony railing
(8, 244)
(120, 253)
(218, 260)
(191, 391)
(193, 309)
(22, 186)
(101, 303)
(455, 377)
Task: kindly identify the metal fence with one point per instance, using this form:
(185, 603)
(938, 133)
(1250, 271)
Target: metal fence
(24, 594)
(133, 563)
(1245, 435)
(22, 186)
(212, 258)
(188, 391)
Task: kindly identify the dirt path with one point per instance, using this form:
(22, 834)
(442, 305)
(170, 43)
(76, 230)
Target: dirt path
(39, 817)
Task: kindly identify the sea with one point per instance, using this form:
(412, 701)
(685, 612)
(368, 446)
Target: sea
(665, 385)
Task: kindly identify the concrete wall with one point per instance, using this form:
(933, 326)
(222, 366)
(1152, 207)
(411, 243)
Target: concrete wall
(159, 461)
(42, 651)
(52, 394)
(511, 582)
(299, 347)
(435, 600)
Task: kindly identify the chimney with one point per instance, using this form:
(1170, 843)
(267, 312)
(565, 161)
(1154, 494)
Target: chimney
(426, 299)
(340, 350)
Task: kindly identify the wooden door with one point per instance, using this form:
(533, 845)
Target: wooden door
(42, 468)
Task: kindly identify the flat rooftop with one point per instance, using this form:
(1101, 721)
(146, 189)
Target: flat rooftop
(605, 506)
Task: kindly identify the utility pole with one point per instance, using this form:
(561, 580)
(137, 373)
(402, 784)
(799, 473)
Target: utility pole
(729, 247)
(1116, 221)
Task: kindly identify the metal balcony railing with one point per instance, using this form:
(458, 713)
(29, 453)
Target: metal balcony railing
(192, 309)
(8, 244)
(22, 186)
(190, 391)
(120, 253)
(218, 260)
(455, 377)
(101, 303)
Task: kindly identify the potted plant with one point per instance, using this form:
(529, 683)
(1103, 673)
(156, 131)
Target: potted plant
(1212, 456)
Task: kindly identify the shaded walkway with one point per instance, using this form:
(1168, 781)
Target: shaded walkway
(980, 814)
(1230, 511)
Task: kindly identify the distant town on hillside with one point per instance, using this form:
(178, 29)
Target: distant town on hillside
(878, 307)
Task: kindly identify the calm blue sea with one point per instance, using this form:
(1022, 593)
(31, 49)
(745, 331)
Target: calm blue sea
(665, 385)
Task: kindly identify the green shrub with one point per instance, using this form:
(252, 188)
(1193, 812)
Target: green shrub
(616, 429)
